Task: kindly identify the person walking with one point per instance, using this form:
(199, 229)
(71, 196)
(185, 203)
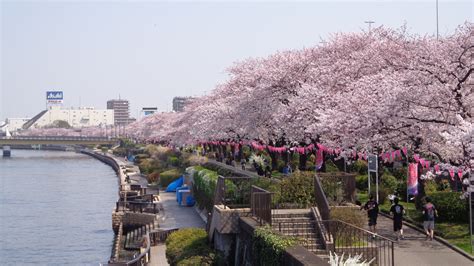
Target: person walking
(372, 208)
(429, 214)
(398, 211)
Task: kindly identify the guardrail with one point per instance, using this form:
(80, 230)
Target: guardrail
(261, 205)
(352, 240)
(134, 206)
(345, 239)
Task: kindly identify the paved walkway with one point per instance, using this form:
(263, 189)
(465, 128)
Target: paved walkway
(174, 216)
(414, 250)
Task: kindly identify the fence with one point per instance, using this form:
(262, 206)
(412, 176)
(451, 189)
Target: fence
(344, 238)
(261, 205)
(141, 207)
(338, 187)
(352, 240)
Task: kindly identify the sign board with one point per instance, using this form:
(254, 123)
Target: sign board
(372, 163)
(53, 97)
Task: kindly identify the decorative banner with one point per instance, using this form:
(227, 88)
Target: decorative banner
(413, 179)
(436, 167)
(319, 159)
(460, 174)
(422, 162)
(451, 173)
(416, 157)
(427, 163)
(404, 150)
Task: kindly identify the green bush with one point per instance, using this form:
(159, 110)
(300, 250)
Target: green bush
(450, 207)
(188, 245)
(169, 176)
(362, 182)
(443, 185)
(400, 173)
(205, 182)
(402, 190)
(268, 246)
(173, 161)
(197, 260)
(331, 167)
(298, 188)
(360, 167)
(430, 186)
(389, 182)
(349, 215)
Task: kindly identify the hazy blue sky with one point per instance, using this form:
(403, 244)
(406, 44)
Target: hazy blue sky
(149, 52)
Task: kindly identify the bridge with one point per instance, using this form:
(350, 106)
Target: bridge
(56, 140)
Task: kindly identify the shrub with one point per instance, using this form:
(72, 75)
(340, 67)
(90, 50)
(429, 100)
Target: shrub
(331, 167)
(443, 185)
(402, 190)
(196, 260)
(268, 246)
(298, 188)
(361, 182)
(450, 207)
(205, 182)
(169, 176)
(173, 161)
(195, 160)
(400, 173)
(188, 245)
(389, 182)
(360, 167)
(350, 215)
(430, 186)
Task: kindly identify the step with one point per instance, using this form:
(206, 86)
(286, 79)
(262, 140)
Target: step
(292, 219)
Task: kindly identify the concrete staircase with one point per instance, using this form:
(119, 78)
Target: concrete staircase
(133, 239)
(301, 225)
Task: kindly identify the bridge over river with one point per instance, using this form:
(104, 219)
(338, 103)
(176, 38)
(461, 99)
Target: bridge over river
(56, 140)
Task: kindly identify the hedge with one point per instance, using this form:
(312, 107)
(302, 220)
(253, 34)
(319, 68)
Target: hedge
(187, 246)
(451, 208)
(298, 188)
(205, 182)
(268, 246)
(169, 176)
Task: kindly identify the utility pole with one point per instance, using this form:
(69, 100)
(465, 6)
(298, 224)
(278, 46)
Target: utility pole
(370, 22)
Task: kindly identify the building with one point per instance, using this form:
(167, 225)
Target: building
(180, 102)
(15, 124)
(146, 111)
(121, 110)
(76, 118)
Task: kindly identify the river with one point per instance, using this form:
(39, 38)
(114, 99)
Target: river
(55, 208)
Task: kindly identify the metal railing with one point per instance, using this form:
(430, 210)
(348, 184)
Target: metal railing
(344, 238)
(352, 240)
(261, 205)
(141, 207)
(158, 237)
(320, 198)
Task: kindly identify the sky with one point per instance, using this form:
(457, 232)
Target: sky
(151, 51)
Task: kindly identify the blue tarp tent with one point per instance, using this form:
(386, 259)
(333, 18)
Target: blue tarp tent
(175, 184)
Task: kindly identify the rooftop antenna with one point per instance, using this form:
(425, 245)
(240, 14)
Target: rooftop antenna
(370, 22)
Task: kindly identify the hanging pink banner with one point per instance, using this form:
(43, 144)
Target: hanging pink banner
(404, 150)
(416, 157)
(451, 173)
(460, 174)
(427, 164)
(413, 179)
(436, 167)
(319, 159)
(422, 162)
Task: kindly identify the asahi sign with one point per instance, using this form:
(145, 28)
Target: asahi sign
(54, 97)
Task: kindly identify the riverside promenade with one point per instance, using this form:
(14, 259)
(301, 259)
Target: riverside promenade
(174, 216)
(415, 250)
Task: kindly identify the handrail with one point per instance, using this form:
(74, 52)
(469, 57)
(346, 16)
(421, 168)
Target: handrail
(139, 260)
(321, 200)
(261, 204)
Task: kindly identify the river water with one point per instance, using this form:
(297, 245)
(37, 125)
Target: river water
(55, 208)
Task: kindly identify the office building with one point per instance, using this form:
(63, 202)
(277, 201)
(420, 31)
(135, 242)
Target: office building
(180, 102)
(121, 110)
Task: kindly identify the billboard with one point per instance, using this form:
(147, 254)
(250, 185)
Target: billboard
(54, 97)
